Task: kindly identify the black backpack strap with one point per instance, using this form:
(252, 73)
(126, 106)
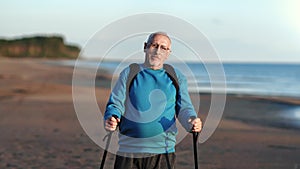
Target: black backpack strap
(134, 70)
(172, 74)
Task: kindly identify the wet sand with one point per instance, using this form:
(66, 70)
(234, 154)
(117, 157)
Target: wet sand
(39, 127)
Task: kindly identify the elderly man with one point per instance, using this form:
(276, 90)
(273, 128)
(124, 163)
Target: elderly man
(145, 103)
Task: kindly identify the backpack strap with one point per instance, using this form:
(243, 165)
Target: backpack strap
(172, 74)
(134, 70)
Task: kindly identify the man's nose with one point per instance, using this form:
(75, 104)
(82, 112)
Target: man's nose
(158, 49)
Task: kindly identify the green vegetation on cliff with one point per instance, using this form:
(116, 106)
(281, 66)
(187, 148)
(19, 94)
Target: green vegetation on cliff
(38, 47)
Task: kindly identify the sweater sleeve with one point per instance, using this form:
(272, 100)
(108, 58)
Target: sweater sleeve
(186, 108)
(116, 102)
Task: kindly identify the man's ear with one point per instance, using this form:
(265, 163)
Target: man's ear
(145, 46)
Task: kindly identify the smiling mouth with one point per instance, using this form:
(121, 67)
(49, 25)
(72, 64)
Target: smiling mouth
(155, 57)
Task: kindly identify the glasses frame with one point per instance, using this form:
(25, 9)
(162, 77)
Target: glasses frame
(158, 46)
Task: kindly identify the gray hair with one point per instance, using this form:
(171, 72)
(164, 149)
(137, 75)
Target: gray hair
(152, 35)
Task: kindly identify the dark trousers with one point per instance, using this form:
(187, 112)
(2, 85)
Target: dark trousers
(158, 161)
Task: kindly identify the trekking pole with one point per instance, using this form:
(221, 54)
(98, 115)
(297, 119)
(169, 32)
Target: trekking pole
(195, 138)
(108, 136)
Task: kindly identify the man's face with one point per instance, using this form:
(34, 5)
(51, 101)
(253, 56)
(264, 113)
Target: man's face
(157, 51)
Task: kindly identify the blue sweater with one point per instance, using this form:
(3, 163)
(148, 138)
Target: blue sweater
(148, 119)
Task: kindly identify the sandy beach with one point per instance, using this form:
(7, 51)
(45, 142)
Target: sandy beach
(39, 127)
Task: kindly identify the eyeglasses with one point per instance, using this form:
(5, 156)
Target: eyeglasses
(161, 47)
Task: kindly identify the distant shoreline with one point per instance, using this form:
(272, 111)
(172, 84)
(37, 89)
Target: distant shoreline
(105, 75)
(204, 85)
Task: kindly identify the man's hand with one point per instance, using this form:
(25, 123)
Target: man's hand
(112, 123)
(196, 123)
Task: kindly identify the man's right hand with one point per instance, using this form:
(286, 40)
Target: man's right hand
(112, 123)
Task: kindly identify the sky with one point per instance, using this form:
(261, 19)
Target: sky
(240, 31)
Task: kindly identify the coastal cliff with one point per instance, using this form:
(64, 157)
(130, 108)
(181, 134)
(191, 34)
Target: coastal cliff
(38, 47)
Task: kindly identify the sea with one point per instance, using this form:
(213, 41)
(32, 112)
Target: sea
(265, 79)
(257, 79)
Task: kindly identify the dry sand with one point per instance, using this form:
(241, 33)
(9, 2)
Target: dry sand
(39, 127)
